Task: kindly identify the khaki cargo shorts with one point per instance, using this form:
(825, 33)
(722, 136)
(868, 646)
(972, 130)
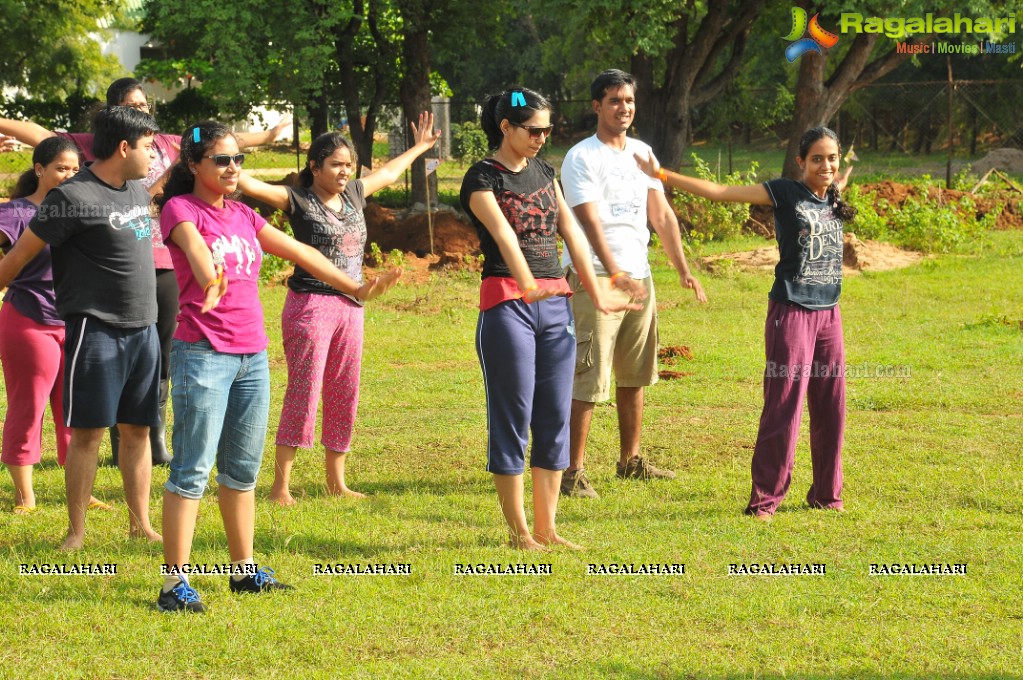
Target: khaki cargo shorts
(625, 341)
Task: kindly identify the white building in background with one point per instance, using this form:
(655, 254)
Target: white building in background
(130, 48)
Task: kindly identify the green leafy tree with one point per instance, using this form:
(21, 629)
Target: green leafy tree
(683, 54)
(50, 49)
(826, 81)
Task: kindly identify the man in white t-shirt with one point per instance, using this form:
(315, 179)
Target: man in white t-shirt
(613, 201)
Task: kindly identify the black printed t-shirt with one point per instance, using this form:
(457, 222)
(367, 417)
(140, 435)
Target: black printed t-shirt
(339, 235)
(809, 235)
(529, 203)
(101, 244)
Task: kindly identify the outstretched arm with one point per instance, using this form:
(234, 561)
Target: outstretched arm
(752, 193)
(247, 139)
(424, 139)
(25, 131)
(843, 178)
(278, 243)
(273, 195)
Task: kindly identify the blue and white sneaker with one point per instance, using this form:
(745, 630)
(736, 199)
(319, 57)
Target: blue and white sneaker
(180, 598)
(262, 581)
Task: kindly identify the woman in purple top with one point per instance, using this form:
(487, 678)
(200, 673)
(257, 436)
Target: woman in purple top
(31, 333)
(219, 368)
(322, 326)
(128, 92)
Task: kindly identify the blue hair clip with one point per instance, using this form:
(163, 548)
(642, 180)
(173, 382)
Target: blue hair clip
(195, 134)
(518, 99)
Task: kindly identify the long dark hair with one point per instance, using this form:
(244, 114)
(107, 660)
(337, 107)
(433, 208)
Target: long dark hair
(843, 210)
(322, 148)
(516, 104)
(195, 143)
(44, 154)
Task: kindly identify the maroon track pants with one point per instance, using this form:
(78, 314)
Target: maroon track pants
(805, 358)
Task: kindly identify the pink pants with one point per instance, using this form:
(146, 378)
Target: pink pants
(805, 360)
(33, 365)
(323, 348)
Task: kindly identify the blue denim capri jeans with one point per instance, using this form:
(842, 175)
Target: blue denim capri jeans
(221, 405)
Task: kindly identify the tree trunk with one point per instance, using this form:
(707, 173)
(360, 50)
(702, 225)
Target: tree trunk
(697, 68)
(318, 109)
(811, 108)
(414, 90)
(817, 101)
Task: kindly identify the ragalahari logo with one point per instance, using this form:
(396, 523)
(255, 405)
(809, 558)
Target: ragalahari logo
(817, 39)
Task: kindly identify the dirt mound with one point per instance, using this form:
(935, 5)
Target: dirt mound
(896, 194)
(453, 237)
(1006, 160)
(857, 256)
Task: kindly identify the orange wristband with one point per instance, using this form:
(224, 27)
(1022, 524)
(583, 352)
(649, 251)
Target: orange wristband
(662, 174)
(528, 290)
(216, 281)
(617, 274)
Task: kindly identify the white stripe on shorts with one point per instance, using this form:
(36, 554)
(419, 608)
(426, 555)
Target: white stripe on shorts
(70, 392)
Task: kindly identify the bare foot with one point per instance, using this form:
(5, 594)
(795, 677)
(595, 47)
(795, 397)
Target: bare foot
(282, 497)
(71, 543)
(557, 542)
(526, 543)
(146, 533)
(344, 491)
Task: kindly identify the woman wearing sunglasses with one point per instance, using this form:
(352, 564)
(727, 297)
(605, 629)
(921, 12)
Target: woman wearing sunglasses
(129, 92)
(322, 325)
(524, 335)
(219, 370)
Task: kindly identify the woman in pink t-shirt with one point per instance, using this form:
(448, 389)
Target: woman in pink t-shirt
(219, 369)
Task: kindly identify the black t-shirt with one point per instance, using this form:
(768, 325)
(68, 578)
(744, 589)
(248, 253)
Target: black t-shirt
(101, 243)
(529, 203)
(340, 236)
(809, 235)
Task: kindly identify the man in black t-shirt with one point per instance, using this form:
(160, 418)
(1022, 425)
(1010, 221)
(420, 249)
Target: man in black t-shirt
(98, 227)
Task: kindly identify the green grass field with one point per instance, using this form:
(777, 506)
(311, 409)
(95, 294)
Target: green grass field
(932, 466)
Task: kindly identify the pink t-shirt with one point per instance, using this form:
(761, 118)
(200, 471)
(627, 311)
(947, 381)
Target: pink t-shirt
(235, 326)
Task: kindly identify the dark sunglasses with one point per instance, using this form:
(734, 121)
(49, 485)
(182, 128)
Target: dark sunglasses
(535, 132)
(223, 160)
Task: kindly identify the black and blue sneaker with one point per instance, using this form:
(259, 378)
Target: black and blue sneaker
(259, 582)
(180, 598)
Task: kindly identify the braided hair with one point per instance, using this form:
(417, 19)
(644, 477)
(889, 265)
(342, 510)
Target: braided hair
(843, 210)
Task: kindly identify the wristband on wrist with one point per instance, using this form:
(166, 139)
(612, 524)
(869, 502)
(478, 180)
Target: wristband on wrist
(617, 274)
(528, 290)
(662, 174)
(215, 281)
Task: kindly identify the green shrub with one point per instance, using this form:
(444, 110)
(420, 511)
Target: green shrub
(469, 143)
(713, 220)
(273, 266)
(921, 223)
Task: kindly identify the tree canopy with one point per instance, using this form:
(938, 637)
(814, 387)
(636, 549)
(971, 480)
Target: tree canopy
(49, 49)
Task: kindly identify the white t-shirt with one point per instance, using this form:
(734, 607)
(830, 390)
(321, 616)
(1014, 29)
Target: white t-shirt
(595, 172)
